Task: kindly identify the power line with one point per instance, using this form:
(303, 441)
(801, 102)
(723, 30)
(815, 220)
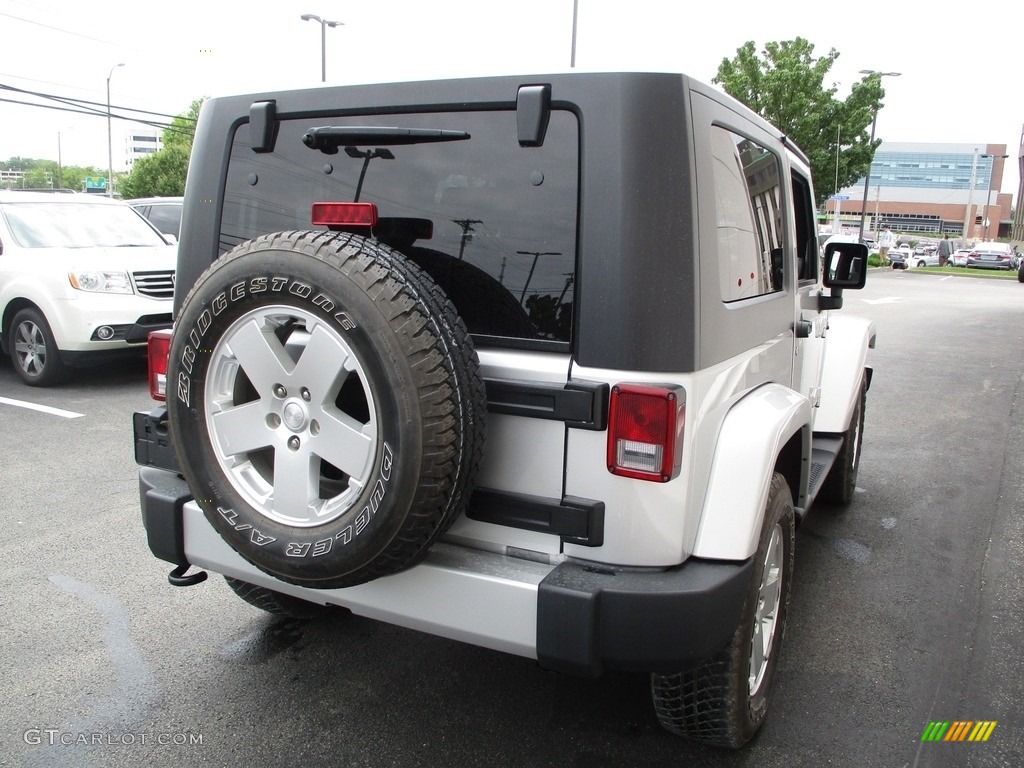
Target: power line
(77, 102)
(69, 32)
(92, 113)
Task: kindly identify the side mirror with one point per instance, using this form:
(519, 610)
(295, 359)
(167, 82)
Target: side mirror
(845, 265)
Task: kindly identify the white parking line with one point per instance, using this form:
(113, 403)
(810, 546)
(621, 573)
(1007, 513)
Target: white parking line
(43, 408)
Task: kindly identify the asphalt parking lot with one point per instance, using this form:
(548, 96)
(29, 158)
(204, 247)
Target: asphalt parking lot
(906, 609)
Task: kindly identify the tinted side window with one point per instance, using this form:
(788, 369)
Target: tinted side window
(166, 218)
(808, 252)
(503, 217)
(747, 200)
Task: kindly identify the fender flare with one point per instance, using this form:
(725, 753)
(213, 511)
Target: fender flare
(846, 351)
(750, 439)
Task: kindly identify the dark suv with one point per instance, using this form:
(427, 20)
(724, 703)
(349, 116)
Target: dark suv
(536, 363)
(164, 213)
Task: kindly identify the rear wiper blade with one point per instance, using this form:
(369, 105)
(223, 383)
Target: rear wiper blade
(329, 137)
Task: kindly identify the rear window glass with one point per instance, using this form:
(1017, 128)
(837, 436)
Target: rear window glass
(503, 217)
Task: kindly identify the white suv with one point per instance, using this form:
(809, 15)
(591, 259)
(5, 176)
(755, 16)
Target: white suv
(82, 279)
(547, 364)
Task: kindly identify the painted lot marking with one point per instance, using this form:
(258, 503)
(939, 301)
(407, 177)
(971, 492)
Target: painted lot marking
(41, 408)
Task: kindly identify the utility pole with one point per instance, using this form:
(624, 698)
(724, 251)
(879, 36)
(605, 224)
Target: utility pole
(867, 176)
(110, 145)
(536, 255)
(575, 13)
(970, 192)
(988, 199)
(467, 227)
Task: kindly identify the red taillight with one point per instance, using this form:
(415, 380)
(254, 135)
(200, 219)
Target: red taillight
(159, 350)
(645, 432)
(345, 214)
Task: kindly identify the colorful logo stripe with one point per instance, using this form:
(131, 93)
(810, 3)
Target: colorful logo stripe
(958, 730)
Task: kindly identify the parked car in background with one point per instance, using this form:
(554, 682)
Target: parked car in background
(83, 278)
(928, 259)
(991, 255)
(959, 257)
(164, 213)
(901, 257)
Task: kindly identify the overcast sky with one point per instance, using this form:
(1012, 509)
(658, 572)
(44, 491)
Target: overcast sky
(955, 87)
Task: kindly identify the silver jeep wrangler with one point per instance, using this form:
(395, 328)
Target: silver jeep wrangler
(546, 364)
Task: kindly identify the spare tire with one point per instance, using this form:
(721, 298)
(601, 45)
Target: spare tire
(326, 406)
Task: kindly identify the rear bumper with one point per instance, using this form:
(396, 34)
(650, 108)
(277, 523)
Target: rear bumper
(990, 264)
(574, 617)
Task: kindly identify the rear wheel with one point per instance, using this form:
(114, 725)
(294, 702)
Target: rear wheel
(724, 701)
(839, 486)
(34, 351)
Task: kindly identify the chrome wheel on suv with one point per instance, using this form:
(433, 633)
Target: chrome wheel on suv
(34, 351)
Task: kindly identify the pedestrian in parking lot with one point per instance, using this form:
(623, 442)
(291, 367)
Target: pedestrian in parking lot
(886, 240)
(945, 250)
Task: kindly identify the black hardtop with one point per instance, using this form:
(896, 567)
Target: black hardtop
(635, 275)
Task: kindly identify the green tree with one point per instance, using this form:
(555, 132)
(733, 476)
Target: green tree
(40, 173)
(73, 176)
(183, 127)
(163, 173)
(786, 86)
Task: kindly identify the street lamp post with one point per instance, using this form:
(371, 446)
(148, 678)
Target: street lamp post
(988, 199)
(575, 14)
(324, 24)
(867, 176)
(110, 140)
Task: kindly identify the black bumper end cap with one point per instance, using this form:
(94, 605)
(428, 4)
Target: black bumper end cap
(591, 619)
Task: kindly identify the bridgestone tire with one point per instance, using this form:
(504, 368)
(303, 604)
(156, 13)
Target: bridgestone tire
(724, 701)
(839, 486)
(326, 406)
(278, 603)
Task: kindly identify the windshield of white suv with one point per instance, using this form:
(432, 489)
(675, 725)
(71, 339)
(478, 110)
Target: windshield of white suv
(77, 225)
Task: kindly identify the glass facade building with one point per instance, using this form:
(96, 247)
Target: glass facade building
(927, 189)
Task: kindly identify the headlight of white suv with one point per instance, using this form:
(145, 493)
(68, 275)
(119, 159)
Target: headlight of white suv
(97, 281)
